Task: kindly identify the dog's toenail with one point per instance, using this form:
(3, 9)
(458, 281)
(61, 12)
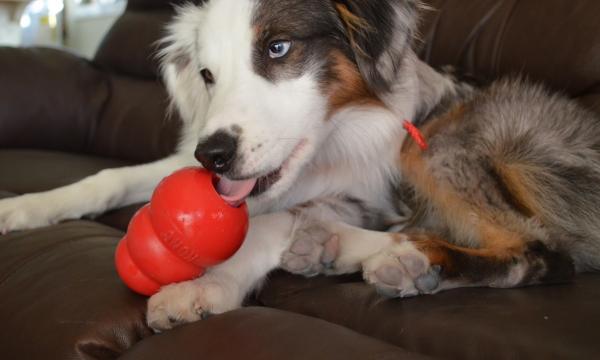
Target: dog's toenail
(328, 265)
(310, 272)
(205, 315)
(387, 291)
(330, 251)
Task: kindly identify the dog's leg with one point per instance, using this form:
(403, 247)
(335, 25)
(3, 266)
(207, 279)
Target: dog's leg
(423, 263)
(331, 248)
(108, 189)
(408, 264)
(493, 234)
(224, 287)
(327, 240)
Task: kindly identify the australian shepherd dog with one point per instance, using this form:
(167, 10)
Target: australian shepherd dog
(300, 106)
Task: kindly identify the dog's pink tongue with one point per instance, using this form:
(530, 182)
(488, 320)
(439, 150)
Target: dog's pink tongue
(235, 192)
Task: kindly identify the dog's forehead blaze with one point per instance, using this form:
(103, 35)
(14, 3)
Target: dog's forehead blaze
(223, 34)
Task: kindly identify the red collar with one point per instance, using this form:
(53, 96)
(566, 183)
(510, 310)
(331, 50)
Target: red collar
(416, 135)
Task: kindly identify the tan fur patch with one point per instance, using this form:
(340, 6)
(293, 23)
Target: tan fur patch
(447, 121)
(464, 219)
(348, 88)
(520, 186)
(353, 24)
(441, 252)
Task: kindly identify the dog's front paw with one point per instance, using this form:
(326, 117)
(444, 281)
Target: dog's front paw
(191, 301)
(401, 270)
(313, 251)
(323, 248)
(25, 212)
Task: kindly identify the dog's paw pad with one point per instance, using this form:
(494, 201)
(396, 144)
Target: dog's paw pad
(401, 270)
(430, 281)
(297, 264)
(390, 275)
(313, 251)
(302, 246)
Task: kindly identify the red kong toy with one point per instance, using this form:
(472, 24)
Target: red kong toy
(188, 226)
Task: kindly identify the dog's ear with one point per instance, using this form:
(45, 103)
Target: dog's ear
(379, 33)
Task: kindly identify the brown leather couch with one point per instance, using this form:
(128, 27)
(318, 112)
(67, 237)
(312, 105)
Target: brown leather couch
(63, 118)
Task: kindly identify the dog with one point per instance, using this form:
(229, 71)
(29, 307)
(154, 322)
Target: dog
(299, 106)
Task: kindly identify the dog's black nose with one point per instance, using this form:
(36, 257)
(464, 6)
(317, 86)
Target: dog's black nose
(217, 152)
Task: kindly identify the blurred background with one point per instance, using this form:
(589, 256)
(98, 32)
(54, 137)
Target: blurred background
(78, 25)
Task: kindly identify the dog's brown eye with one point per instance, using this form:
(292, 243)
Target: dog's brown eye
(207, 76)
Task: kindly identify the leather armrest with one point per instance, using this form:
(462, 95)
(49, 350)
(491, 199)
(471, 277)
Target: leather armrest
(49, 99)
(262, 333)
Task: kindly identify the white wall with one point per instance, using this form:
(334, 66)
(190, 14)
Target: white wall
(85, 25)
(10, 32)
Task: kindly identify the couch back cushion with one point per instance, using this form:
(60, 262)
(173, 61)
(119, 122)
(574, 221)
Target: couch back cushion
(556, 42)
(134, 124)
(49, 99)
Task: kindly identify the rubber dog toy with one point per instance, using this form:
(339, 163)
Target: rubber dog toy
(187, 227)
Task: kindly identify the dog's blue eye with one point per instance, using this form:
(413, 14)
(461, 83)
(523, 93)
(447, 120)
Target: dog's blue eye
(279, 49)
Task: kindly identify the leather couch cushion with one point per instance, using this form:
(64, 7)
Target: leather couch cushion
(134, 124)
(49, 99)
(544, 322)
(60, 290)
(6, 194)
(57, 101)
(119, 218)
(35, 171)
(552, 41)
(27, 171)
(261, 333)
(60, 297)
(130, 45)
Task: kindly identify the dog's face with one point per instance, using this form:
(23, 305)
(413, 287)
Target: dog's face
(267, 78)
